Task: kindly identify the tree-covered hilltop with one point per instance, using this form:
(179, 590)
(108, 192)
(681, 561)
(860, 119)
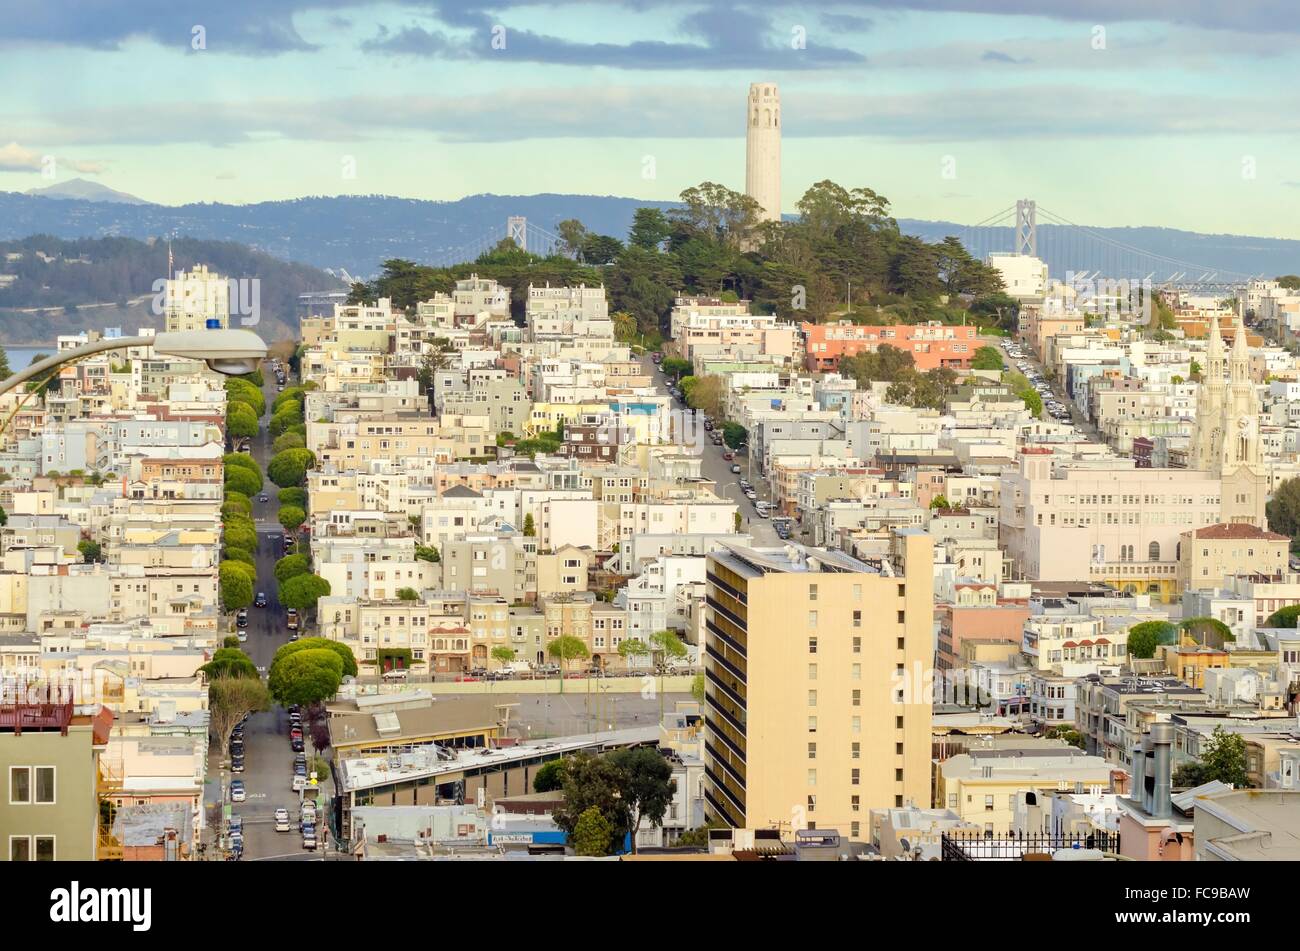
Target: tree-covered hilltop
(843, 256)
(65, 286)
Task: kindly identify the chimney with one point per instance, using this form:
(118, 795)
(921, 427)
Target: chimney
(1162, 736)
(1137, 786)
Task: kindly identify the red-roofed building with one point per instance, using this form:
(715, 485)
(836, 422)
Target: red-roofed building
(1207, 556)
(931, 345)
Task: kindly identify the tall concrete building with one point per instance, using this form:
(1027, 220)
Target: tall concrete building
(196, 296)
(763, 149)
(809, 722)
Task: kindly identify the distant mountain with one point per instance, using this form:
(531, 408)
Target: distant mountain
(357, 233)
(62, 287)
(79, 189)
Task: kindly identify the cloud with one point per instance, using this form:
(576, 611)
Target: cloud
(997, 56)
(15, 158)
(727, 37)
(520, 113)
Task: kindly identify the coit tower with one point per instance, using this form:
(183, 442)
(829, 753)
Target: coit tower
(763, 149)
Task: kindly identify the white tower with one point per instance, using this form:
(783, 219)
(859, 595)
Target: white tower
(763, 149)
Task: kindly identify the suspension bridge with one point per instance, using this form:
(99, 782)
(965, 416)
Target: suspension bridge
(1066, 247)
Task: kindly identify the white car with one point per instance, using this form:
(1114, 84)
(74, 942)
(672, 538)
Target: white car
(282, 820)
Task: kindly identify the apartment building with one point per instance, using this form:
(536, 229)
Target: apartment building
(808, 719)
(1209, 556)
(932, 345)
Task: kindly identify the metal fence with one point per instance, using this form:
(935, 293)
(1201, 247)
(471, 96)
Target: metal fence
(973, 847)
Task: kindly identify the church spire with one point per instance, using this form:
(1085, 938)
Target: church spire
(1239, 368)
(1214, 361)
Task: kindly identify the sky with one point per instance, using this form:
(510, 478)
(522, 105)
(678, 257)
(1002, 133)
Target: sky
(1181, 113)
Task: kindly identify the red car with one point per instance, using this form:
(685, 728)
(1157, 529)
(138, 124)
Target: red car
(728, 456)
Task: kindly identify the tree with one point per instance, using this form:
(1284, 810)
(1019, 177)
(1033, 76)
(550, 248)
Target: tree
(1283, 510)
(230, 699)
(318, 643)
(940, 502)
(230, 662)
(530, 529)
(1283, 617)
(408, 594)
(631, 647)
(320, 735)
(675, 367)
(240, 533)
(697, 687)
(734, 435)
(706, 395)
(294, 495)
(290, 566)
(427, 553)
(550, 777)
(987, 358)
(501, 653)
(668, 644)
(887, 365)
(1145, 637)
(230, 641)
(305, 677)
(647, 785)
(301, 592)
(240, 555)
(564, 649)
(287, 441)
(236, 589)
(650, 229)
(291, 517)
(1069, 734)
(593, 781)
(238, 564)
(1207, 630)
(289, 468)
(1223, 758)
(592, 833)
(90, 551)
(241, 421)
(572, 232)
(243, 481)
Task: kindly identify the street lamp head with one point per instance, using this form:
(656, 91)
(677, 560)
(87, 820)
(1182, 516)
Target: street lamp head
(232, 352)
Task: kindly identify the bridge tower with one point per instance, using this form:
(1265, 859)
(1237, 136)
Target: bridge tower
(517, 231)
(1026, 227)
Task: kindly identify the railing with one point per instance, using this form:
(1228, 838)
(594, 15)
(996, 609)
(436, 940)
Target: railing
(974, 847)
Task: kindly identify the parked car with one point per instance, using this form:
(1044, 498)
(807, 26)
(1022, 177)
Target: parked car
(241, 619)
(309, 838)
(282, 820)
(237, 793)
(295, 744)
(263, 498)
(237, 764)
(292, 619)
(260, 601)
(728, 456)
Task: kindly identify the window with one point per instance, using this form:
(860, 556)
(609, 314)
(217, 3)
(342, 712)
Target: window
(812, 671)
(855, 777)
(857, 618)
(857, 750)
(812, 618)
(812, 698)
(44, 848)
(812, 750)
(812, 592)
(988, 803)
(812, 802)
(812, 724)
(20, 784)
(1153, 551)
(812, 777)
(20, 848)
(857, 645)
(45, 784)
(812, 645)
(857, 698)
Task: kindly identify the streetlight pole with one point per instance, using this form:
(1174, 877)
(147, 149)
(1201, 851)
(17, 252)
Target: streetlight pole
(232, 352)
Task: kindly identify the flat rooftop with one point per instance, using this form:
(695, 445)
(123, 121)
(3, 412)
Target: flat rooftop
(364, 772)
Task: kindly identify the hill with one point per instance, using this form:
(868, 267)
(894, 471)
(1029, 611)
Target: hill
(66, 286)
(357, 233)
(81, 190)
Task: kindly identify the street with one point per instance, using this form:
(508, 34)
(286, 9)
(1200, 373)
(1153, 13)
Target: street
(718, 470)
(268, 760)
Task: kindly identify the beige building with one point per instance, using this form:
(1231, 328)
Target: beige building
(808, 719)
(1208, 556)
(982, 786)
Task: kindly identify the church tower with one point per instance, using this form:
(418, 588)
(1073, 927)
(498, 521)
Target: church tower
(1226, 439)
(763, 149)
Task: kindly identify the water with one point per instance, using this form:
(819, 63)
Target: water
(21, 357)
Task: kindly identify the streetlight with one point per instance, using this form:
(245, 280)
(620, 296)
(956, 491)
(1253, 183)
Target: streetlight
(231, 352)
